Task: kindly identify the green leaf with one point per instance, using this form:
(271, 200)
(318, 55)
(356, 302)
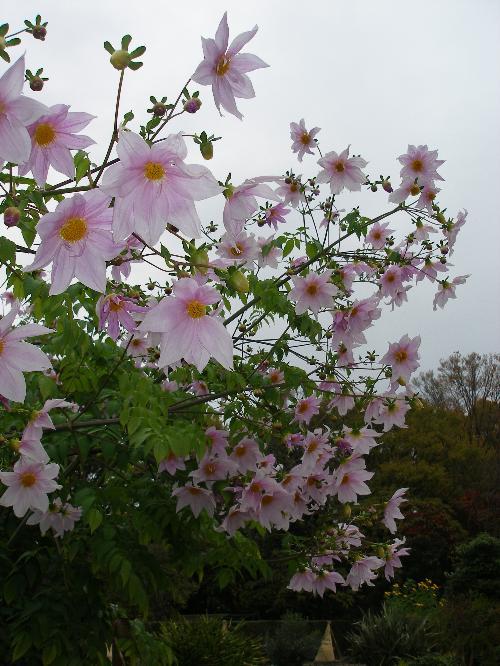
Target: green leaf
(136, 53)
(135, 65)
(94, 519)
(82, 164)
(289, 245)
(109, 48)
(49, 654)
(23, 643)
(7, 250)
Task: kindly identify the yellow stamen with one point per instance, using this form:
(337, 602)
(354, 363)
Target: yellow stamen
(28, 479)
(236, 250)
(414, 190)
(74, 229)
(114, 306)
(339, 167)
(305, 139)
(2, 346)
(222, 65)
(312, 289)
(154, 171)
(417, 165)
(44, 134)
(195, 309)
(401, 356)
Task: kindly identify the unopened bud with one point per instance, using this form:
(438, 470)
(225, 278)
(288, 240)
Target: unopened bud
(200, 260)
(120, 59)
(207, 150)
(11, 216)
(440, 218)
(373, 188)
(39, 32)
(159, 109)
(445, 249)
(192, 105)
(386, 186)
(170, 227)
(15, 444)
(36, 84)
(239, 281)
(346, 510)
(381, 552)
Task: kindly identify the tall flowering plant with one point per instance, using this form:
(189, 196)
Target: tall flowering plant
(207, 382)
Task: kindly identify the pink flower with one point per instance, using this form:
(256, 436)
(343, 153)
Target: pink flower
(306, 408)
(350, 480)
(392, 511)
(302, 581)
(59, 517)
(273, 510)
(313, 291)
(450, 231)
(378, 235)
(213, 468)
(30, 448)
(41, 420)
(188, 332)
(225, 69)
(238, 248)
(17, 356)
(246, 454)
(276, 214)
(28, 486)
(269, 254)
(171, 464)
(241, 202)
(113, 310)
(391, 281)
(197, 499)
(341, 171)
(52, 138)
(275, 376)
(302, 140)
(446, 290)
(427, 196)
(326, 580)
(408, 188)
(153, 186)
(392, 558)
(421, 163)
(16, 113)
(403, 357)
(234, 520)
(292, 191)
(362, 571)
(392, 413)
(77, 239)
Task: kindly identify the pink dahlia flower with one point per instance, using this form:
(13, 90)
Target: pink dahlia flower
(188, 331)
(403, 357)
(77, 239)
(302, 139)
(41, 420)
(421, 163)
(238, 248)
(393, 557)
(171, 464)
(16, 113)
(447, 289)
(197, 499)
(306, 408)
(113, 310)
(341, 171)
(362, 571)
(152, 186)
(350, 480)
(225, 69)
(276, 214)
(17, 356)
(241, 202)
(313, 291)
(326, 580)
(378, 235)
(392, 511)
(302, 581)
(59, 517)
(28, 486)
(53, 136)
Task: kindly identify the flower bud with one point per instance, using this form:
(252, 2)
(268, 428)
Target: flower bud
(386, 186)
(207, 150)
(36, 83)
(39, 32)
(373, 188)
(120, 59)
(381, 552)
(200, 260)
(239, 282)
(445, 249)
(346, 510)
(170, 227)
(440, 218)
(14, 445)
(11, 216)
(192, 105)
(3, 43)
(159, 109)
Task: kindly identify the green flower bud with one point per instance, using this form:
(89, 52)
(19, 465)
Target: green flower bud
(239, 281)
(207, 150)
(120, 59)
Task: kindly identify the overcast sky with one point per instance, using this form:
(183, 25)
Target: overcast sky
(374, 74)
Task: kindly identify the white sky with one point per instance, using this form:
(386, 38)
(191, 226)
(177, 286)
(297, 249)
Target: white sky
(374, 74)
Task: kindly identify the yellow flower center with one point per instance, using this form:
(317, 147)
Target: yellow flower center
(236, 250)
(74, 229)
(312, 289)
(414, 190)
(210, 468)
(194, 491)
(305, 139)
(240, 450)
(417, 165)
(195, 309)
(266, 500)
(345, 480)
(294, 186)
(115, 306)
(28, 479)
(2, 346)
(303, 406)
(222, 65)
(339, 167)
(401, 356)
(154, 171)
(44, 134)
(2, 107)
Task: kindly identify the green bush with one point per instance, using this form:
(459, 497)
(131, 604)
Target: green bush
(432, 660)
(293, 643)
(212, 642)
(390, 636)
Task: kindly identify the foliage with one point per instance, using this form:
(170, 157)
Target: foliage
(391, 635)
(293, 642)
(412, 597)
(476, 568)
(209, 641)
